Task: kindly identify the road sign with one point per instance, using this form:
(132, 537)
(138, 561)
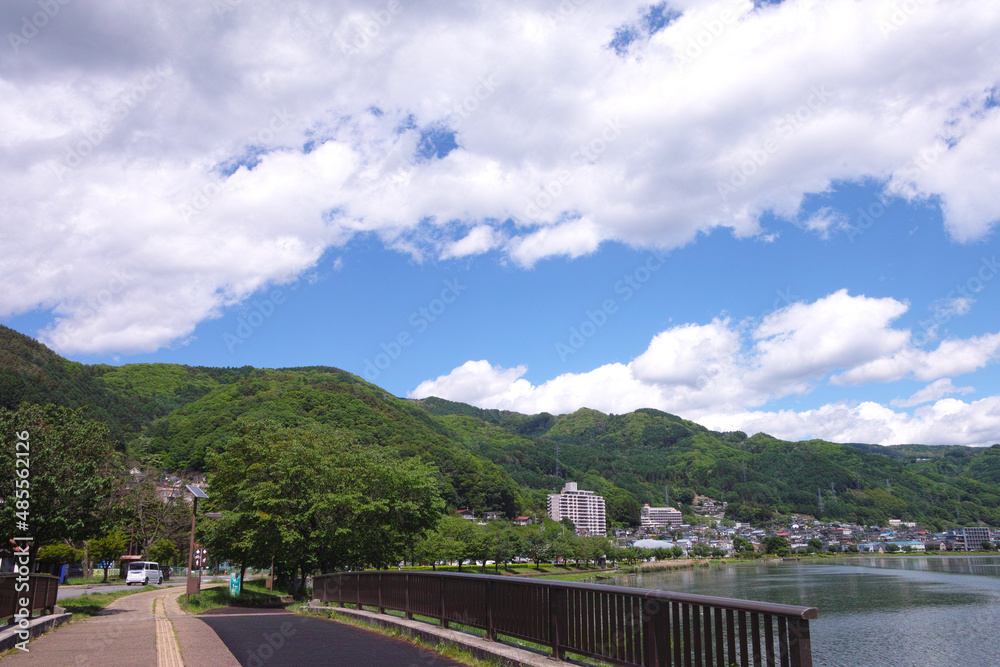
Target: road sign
(234, 584)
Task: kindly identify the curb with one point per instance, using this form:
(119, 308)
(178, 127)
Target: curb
(10, 637)
(505, 654)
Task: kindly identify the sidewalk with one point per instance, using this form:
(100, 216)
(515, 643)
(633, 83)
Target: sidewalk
(145, 629)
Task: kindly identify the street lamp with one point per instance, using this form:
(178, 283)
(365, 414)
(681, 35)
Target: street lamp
(193, 582)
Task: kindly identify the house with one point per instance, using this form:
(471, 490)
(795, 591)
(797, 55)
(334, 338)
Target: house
(490, 516)
(522, 520)
(466, 514)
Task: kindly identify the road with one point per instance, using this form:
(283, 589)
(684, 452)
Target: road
(273, 638)
(75, 591)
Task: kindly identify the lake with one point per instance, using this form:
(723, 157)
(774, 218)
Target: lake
(927, 611)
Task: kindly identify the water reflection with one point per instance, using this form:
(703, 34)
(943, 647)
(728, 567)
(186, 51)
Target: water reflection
(934, 610)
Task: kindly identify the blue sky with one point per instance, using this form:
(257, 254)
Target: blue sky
(773, 217)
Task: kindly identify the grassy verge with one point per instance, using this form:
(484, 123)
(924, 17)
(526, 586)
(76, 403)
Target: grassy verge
(90, 604)
(253, 594)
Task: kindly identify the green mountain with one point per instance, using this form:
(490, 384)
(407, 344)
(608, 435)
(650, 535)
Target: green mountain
(172, 416)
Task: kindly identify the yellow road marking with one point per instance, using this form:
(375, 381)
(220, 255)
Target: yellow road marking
(168, 653)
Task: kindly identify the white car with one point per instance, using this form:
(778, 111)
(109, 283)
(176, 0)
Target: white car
(143, 572)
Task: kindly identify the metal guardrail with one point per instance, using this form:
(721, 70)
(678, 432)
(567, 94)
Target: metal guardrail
(42, 592)
(623, 626)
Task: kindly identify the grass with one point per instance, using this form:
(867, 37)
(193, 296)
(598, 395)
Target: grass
(253, 594)
(90, 604)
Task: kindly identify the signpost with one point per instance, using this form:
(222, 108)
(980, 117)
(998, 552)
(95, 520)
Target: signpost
(193, 582)
(234, 584)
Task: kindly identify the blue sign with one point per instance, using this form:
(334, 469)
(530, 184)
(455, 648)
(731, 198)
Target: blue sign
(234, 584)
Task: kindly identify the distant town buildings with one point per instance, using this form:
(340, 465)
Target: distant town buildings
(660, 517)
(584, 508)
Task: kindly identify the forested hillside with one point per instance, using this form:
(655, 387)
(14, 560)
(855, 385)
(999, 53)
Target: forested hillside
(173, 417)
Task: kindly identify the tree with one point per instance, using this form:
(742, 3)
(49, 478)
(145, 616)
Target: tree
(70, 476)
(676, 551)
(310, 498)
(62, 554)
(892, 548)
(776, 545)
(107, 549)
(536, 543)
(164, 552)
(815, 545)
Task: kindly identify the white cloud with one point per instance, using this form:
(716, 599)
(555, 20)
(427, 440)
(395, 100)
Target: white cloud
(479, 240)
(534, 96)
(716, 373)
(951, 357)
(932, 392)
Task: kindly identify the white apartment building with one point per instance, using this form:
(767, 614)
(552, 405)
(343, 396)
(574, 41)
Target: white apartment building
(660, 517)
(583, 508)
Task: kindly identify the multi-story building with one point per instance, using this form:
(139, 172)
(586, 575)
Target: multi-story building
(584, 508)
(660, 517)
(975, 536)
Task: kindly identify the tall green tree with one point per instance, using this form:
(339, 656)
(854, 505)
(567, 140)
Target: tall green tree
(107, 549)
(310, 498)
(71, 480)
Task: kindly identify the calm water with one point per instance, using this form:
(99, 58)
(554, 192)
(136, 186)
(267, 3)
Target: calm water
(938, 610)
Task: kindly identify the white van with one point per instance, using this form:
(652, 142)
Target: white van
(143, 572)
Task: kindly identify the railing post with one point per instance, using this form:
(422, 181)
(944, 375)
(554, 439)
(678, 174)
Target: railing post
(799, 643)
(443, 606)
(557, 621)
(409, 614)
(655, 631)
(381, 609)
(491, 633)
(357, 589)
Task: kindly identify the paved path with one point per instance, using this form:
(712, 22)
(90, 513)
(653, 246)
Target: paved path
(141, 630)
(150, 630)
(277, 638)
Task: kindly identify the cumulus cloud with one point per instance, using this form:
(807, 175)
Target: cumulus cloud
(221, 147)
(719, 373)
(932, 392)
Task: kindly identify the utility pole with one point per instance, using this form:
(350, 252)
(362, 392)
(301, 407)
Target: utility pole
(666, 495)
(820, 493)
(744, 472)
(557, 459)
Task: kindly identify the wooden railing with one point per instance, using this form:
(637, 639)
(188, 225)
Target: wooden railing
(624, 626)
(41, 594)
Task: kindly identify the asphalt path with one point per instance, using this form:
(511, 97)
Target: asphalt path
(274, 638)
